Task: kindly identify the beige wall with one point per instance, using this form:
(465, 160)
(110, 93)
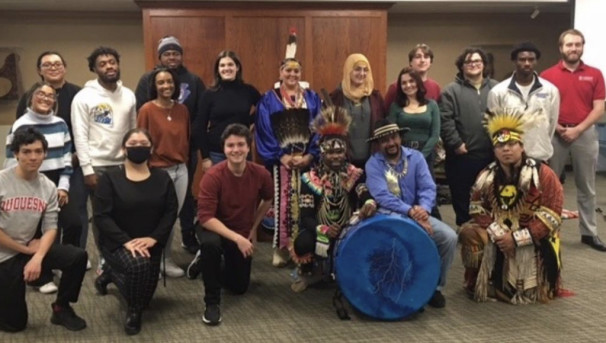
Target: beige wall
(76, 35)
(449, 34)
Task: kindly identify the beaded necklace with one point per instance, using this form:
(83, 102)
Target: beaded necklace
(288, 102)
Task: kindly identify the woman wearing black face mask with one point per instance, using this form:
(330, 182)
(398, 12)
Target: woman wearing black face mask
(135, 208)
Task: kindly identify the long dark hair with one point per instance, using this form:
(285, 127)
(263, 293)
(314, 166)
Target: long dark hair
(226, 53)
(153, 90)
(401, 98)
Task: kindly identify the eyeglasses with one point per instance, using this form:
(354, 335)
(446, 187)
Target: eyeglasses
(44, 96)
(48, 65)
(470, 62)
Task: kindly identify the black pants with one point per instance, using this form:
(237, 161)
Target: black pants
(69, 227)
(304, 244)
(236, 275)
(135, 277)
(13, 309)
(461, 172)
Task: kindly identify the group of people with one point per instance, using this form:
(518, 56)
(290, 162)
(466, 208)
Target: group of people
(351, 155)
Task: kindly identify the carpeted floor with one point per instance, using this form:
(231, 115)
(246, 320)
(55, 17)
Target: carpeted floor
(270, 312)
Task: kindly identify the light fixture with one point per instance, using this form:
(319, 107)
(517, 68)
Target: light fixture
(535, 13)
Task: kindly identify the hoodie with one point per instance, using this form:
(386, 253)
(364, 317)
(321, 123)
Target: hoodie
(100, 118)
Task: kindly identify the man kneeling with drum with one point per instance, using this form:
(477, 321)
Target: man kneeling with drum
(330, 193)
(510, 248)
(400, 181)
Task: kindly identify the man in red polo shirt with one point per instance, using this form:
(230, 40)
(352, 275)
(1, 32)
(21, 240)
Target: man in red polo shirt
(582, 97)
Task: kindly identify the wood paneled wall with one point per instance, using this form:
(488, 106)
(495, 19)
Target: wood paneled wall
(258, 32)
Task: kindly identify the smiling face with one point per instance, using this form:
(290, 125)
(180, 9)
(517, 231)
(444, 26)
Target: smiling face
(165, 85)
(473, 66)
(290, 75)
(227, 69)
(358, 74)
(236, 149)
(408, 85)
(52, 69)
(107, 68)
(390, 145)
(571, 48)
(43, 100)
(171, 59)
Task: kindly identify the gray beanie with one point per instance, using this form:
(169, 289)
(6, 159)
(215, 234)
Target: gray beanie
(169, 43)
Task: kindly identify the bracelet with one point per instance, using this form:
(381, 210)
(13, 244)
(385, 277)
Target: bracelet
(371, 202)
(522, 237)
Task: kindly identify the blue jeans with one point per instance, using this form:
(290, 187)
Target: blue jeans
(177, 173)
(187, 215)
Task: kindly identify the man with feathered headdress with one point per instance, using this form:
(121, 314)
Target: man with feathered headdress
(510, 248)
(330, 193)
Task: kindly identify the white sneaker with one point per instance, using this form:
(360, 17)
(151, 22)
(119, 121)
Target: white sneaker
(172, 270)
(88, 265)
(48, 288)
(100, 266)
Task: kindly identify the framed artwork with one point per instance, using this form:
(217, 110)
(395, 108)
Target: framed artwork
(9, 85)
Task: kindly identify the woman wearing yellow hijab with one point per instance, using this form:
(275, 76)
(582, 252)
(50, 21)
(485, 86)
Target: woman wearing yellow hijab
(356, 93)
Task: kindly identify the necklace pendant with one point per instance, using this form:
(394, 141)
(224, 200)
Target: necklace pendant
(169, 118)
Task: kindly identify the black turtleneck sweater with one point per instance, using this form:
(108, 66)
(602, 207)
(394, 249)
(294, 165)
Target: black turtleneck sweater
(230, 102)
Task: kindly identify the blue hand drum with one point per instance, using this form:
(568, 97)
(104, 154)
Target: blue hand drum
(387, 266)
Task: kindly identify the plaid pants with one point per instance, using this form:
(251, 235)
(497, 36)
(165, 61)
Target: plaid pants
(135, 277)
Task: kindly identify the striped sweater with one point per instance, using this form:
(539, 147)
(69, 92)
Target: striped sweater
(56, 132)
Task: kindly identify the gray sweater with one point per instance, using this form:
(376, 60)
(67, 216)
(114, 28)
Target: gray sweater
(462, 109)
(22, 204)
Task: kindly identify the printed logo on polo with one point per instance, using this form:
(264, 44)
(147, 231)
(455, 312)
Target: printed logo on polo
(103, 114)
(586, 78)
(23, 203)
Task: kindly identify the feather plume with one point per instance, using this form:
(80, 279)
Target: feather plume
(291, 46)
(291, 126)
(332, 121)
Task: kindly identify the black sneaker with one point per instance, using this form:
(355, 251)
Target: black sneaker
(193, 270)
(190, 243)
(66, 317)
(212, 315)
(437, 300)
(132, 325)
(101, 283)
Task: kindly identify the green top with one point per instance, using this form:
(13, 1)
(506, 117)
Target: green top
(424, 126)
